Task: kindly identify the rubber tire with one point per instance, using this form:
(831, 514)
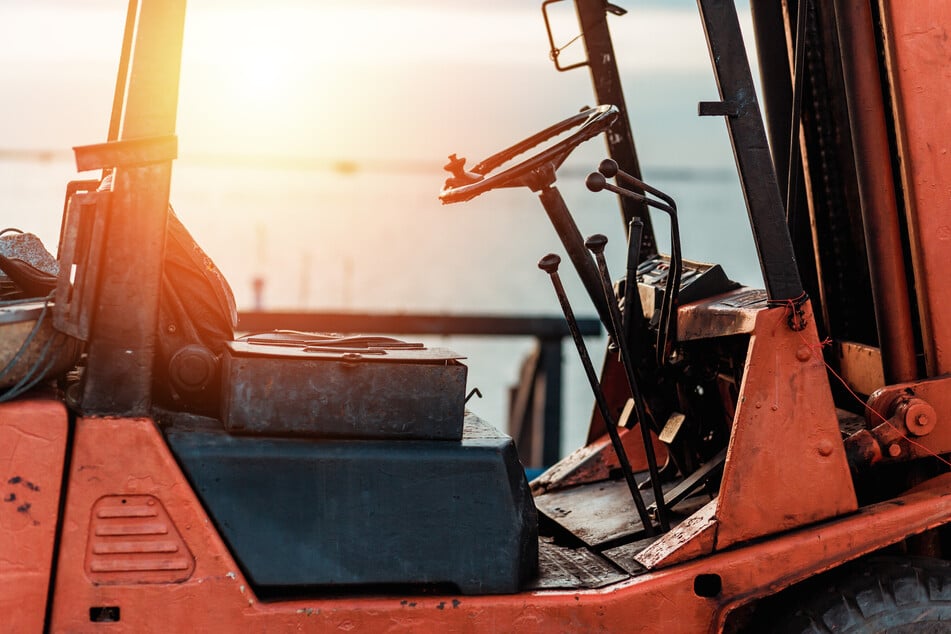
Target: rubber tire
(880, 594)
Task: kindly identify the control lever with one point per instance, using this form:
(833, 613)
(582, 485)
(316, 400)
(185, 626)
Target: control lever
(633, 310)
(597, 181)
(549, 264)
(596, 244)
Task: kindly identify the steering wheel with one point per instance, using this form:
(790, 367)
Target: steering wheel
(465, 185)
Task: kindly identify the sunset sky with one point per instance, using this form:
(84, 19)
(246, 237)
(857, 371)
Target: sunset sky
(337, 79)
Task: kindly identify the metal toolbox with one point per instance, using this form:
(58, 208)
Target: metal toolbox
(337, 387)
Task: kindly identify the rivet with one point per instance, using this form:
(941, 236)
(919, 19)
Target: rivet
(894, 450)
(825, 447)
(804, 353)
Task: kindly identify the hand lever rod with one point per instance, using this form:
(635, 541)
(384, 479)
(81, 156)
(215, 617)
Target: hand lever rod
(596, 244)
(573, 242)
(633, 309)
(667, 326)
(549, 264)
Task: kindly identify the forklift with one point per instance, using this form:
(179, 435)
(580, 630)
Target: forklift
(757, 459)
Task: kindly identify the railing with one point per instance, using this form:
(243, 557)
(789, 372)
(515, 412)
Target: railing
(534, 404)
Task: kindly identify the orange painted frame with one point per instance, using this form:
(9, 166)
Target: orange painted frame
(129, 456)
(33, 435)
(785, 465)
(917, 52)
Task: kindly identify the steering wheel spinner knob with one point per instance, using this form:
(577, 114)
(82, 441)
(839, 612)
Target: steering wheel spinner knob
(457, 167)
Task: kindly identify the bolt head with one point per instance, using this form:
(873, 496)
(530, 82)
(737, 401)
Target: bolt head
(894, 450)
(918, 416)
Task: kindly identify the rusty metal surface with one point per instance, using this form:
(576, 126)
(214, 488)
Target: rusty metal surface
(873, 161)
(861, 366)
(786, 464)
(595, 462)
(122, 346)
(917, 51)
(733, 313)
(912, 420)
(560, 567)
(408, 394)
(596, 513)
(32, 450)
(81, 246)
(692, 538)
(624, 556)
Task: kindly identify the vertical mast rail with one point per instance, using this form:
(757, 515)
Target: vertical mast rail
(123, 335)
(754, 163)
(608, 90)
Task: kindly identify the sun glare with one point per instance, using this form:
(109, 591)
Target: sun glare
(329, 80)
(262, 80)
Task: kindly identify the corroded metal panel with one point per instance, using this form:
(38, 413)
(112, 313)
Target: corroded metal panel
(398, 394)
(917, 51)
(32, 449)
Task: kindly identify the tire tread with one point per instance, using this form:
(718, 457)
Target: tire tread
(870, 595)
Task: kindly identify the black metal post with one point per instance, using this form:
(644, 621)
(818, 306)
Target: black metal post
(550, 368)
(744, 121)
(602, 63)
(122, 343)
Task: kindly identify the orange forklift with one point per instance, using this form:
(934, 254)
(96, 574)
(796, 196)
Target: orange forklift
(757, 460)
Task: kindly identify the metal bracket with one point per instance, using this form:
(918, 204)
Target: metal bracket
(127, 153)
(554, 51)
(718, 109)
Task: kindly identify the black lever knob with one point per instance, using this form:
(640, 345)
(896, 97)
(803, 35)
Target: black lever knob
(549, 263)
(596, 243)
(595, 182)
(608, 168)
